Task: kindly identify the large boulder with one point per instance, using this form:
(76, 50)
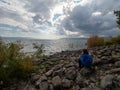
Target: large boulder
(117, 64)
(44, 85)
(86, 71)
(107, 82)
(70, 73)
(66, 83)
(57, 82)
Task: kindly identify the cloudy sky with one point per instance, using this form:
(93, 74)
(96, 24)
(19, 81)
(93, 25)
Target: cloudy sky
(53, 19)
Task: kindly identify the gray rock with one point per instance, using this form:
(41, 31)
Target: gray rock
(115, 70)
(79, 80)
(70, 73)
(37, 83)
(44, 85)
(49, 73)
(95, 88)
(58, 72)
(43, 78)
(75, 87)
(35, 78)
(51, 87)
(66, 83)
(85, 71)
(57, 82)
(106, 82)
(116, 82)
(85, 89)
(117, 64)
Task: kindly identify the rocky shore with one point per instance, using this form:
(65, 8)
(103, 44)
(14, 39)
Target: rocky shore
(60, 71)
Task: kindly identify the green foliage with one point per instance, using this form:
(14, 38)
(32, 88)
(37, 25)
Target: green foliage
(14, 65)
(117, 13)
(39, 50)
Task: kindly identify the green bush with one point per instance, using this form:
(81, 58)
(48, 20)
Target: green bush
(14, 65)
(39, 51)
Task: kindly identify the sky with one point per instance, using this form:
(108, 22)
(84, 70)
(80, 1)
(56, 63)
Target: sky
(54, 19)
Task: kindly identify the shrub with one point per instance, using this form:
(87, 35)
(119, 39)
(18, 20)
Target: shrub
(113, 40)
(14, 65)
(118, 39)
(95, 41)
(39, 50)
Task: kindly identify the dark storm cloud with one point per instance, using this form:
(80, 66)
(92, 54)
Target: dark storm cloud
(81, 18)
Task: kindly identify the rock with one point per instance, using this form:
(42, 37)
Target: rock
(44, 85)
(66, 83)
(69, 65)
(37, 83)
(106, 82)
(118, 80)
(35, 78)
(116, 70)
(97, 62)
(70, 73)
(75, 87)
(79, 80)
(49, 73)
(85, 71)
(96, 88)
(117, 64)
(51, 87)
(85, 89)
(57, 82)
(58, 72)
(43, 78)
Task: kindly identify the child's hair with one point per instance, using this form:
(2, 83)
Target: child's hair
(85, 51)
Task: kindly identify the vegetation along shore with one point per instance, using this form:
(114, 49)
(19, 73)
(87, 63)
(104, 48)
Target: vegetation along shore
(60, 71)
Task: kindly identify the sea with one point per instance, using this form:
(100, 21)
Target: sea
(50, 46)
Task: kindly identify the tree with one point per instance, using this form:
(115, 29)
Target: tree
(117, 13)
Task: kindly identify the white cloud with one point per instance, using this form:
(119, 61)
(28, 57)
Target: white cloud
(85, 2)
(76, 18)
(96, 13)
(12, 22)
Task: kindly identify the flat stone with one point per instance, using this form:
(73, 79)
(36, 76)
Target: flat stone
(49, 73)
(116, 70)
(43, 78)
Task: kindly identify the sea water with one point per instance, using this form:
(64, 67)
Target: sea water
(50, 46)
